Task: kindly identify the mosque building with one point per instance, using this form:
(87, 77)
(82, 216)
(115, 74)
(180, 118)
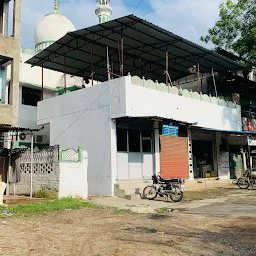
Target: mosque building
(51, 28)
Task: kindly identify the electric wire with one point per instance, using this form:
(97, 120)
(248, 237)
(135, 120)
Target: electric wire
(138, 6)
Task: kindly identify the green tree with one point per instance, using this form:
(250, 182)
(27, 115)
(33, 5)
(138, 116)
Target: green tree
(235, 30)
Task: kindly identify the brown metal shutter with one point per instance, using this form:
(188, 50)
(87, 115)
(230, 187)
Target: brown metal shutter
(174, 157)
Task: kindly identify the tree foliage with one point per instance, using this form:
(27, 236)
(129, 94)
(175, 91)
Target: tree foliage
(235, 30)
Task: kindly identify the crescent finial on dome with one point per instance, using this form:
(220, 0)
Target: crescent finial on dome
(56, 6)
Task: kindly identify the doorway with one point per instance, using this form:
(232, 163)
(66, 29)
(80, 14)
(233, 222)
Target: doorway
(203, 159)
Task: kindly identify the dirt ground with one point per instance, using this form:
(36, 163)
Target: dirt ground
(99, 232)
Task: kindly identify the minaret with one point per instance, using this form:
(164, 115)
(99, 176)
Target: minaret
(56, 6)
(103, 10)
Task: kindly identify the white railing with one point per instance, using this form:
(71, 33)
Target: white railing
(150, 84)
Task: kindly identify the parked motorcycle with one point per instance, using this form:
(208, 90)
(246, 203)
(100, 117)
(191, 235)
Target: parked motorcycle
(165, 188)
(249, 178)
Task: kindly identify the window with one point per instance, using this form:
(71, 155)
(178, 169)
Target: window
(30, 96)
(146, 134)
(122, 140)
(146, 146)
(134, 141)
(7, 18)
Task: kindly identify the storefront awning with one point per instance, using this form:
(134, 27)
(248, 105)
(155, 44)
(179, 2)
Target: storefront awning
(145, 123)
(231, 132)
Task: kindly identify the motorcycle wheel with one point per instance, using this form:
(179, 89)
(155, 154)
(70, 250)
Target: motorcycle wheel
(150, 192)
(243, 183)
(177, 195)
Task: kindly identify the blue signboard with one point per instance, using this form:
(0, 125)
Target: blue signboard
(170, 130)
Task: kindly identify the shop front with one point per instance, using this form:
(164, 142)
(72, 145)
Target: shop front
(146, 146)
(238, 151)
(174, 150)
(135, 149)
(222, 154)
(204, 154)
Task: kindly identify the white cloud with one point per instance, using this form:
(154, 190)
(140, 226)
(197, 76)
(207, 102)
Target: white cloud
(187, 18)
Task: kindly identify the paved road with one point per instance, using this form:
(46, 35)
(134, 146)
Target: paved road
(208, 207)
(224, 210)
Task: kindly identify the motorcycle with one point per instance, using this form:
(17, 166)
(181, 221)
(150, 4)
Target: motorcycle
(164, 188)
(249, 178)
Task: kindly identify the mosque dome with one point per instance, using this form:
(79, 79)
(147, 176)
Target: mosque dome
(50, 29)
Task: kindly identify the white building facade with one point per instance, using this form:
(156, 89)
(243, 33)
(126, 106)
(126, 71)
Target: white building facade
(90, 118)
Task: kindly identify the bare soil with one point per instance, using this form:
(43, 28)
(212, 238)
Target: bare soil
(99, 232)
(214, 193)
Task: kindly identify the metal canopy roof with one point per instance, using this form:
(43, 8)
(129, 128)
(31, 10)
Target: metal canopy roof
(240, 133)
(145, 46)
(8, 128)
(4, 61)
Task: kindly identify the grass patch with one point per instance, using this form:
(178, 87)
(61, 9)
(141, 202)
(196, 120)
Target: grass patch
(46, 193)
(22, 210)
(161, 210)
(123, 212)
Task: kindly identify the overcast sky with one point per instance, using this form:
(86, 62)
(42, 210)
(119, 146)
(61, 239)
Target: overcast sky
(187, 18)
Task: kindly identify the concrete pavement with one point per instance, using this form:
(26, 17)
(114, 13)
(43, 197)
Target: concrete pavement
(120, 203)
(218, 207)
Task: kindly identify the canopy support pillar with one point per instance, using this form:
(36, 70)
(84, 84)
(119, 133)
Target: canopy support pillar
(167, 67)
(65, 75)
(42, 92)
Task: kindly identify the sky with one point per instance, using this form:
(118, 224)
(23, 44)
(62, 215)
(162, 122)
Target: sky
(186, 18)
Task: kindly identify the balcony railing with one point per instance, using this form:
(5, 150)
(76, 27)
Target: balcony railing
(155, 85)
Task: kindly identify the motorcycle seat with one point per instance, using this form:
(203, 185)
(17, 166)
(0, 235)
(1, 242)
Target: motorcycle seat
(169, 180)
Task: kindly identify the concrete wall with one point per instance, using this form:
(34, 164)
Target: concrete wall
(49, 181)
(7, 114)
(148, 102)
(73, 178)
(28, 115)
(190, 82)
(28, 119)
(83, 119)
(10, 47)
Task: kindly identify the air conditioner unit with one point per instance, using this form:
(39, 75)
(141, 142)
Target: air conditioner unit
(42, 139)
(24, 137)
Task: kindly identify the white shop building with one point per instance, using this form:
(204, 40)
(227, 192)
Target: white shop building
(132, 127)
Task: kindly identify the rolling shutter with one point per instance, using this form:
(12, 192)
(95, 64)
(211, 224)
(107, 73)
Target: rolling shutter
(174, 157)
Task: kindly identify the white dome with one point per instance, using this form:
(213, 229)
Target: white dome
(50, 29)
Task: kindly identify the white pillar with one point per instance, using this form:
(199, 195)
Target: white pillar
(8, 174)
(218, 144)
(113, 154)
(190, 156)
(244, 160)
(157, 148)
(32, 165)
